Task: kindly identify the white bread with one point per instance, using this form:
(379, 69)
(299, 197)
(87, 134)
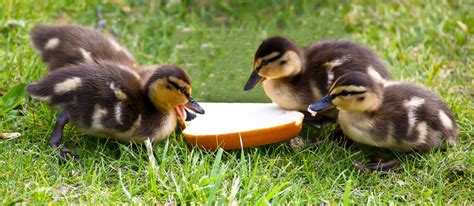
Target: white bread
(240, 125)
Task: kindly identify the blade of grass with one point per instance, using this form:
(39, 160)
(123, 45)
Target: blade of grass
(347, 193)
(215, 170)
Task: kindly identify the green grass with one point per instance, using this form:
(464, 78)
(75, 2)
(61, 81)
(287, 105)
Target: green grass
(429, 44)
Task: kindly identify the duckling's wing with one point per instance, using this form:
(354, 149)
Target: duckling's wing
(60, 46)
(100, 96)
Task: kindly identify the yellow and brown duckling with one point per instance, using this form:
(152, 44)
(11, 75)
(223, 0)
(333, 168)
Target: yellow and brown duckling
(105, 100)
(295, 77)
(396, 116)
(98, 86)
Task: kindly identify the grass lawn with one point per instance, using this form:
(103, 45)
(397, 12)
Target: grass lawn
(430, 44)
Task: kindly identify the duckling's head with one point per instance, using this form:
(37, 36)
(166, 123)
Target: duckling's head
(277, 57)
(352, 92)
(169, 88)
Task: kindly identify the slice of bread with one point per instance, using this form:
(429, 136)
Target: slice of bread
(242, 125)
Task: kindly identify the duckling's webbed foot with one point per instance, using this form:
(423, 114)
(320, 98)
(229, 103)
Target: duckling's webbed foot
(299, 143)
(66, 153)
(377, 164)
(56, 136)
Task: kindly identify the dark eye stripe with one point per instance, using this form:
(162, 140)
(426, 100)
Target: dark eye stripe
(174, 84)
(274, 58)
(182, 89)
(267, 61)
(346, 93)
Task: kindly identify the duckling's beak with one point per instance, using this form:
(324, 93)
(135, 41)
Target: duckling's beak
(194, 106)
(184, 114)
(189, 115)
(254, 79)
(322, 104)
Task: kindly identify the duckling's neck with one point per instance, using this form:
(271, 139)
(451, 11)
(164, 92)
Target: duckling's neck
(168, 122)
(374, 101)
(371, 105)
(282, 92)
(159, 122)
(156, 107)
(297, 61)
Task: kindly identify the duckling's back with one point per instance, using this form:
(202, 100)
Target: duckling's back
(328, 60)
(415, 118)
(60, 46)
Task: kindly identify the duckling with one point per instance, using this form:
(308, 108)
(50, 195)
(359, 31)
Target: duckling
(104, 100)
(90, 44)
(295, 77)
(80, 44)
(395, 116)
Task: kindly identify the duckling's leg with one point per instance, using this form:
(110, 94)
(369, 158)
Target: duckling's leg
(55, 140)
(101, 23)
(377, 164)
(341, 139)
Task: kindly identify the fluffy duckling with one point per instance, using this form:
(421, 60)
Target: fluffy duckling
(64, 46)
(60, 46)
(105, 100)
(295, 77)
(396, 116)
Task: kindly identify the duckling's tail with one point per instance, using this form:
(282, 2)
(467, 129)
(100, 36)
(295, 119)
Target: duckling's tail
(55, 88)
(39, 92)
(453, 139)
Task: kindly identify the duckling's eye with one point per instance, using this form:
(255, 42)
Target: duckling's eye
(184, 91)
(264, 63)
(282, 62)
(344, 93)
(181, 89)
